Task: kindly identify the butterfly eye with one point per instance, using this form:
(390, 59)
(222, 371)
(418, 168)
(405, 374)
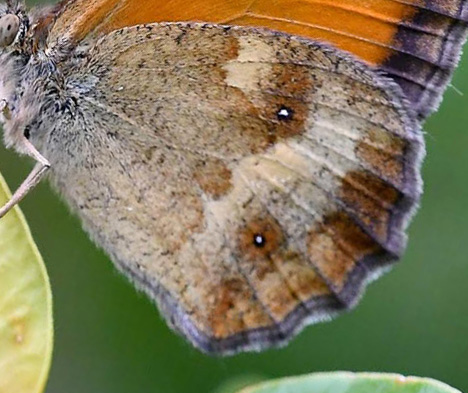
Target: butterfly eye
(9, 27)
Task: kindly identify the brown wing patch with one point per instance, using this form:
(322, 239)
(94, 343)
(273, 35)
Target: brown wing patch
(335, 247)
(339, 243)
(283, 87)
(276, 283)
(386, 164)
(275, 92)
(372, 186)
(214, 177)
(371, 199)
(284, 117)
(302, 279)
(282, 279)
(289, 80)
(233, 310)
(260, 238)
(384, 154)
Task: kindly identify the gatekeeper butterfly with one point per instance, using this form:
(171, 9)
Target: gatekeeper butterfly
(250, 165)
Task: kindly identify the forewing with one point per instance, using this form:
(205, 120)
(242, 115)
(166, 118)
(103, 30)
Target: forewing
(249, 182)
(417, 42)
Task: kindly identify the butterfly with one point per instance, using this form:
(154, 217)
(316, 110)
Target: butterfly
(249, 165)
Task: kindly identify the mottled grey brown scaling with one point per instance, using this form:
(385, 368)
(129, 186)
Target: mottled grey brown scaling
(249, 182)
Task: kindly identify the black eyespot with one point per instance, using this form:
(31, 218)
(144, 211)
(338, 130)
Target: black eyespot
(259, 240)
(9, 27)
(27, 132)
(285, 113)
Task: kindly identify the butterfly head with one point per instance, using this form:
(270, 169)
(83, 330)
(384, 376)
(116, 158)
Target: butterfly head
(15, 51)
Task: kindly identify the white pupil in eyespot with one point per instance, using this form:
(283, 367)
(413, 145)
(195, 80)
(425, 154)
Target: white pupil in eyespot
(9, 27)
(283, 112)
(259, 240)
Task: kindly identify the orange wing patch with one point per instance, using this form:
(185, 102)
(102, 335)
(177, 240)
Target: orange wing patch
(417, 42)
(365, 28)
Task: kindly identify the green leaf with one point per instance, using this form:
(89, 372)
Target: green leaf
(233, 385)
(344, 382)
(26, 325)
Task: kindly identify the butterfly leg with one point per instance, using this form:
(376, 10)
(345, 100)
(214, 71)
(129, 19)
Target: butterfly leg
(31, 181)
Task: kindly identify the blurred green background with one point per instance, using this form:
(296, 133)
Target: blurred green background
(414, 320)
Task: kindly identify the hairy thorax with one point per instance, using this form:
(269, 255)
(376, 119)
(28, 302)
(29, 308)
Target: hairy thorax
(33, 89)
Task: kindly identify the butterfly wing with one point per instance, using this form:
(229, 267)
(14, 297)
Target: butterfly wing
(248, 182)
(416, 42)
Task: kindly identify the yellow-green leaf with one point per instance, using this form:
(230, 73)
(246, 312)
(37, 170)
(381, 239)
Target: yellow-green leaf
(26, 330)
(345, 382)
